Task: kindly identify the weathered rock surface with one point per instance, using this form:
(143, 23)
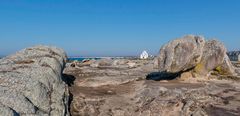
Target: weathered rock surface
(110, 73)
(101, 62)
(181, 54)
(31, 83)
(119, 90)
(193, 53)
(227, 68)
(213, 56)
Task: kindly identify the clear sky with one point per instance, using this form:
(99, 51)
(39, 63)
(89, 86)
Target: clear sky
(114, 27)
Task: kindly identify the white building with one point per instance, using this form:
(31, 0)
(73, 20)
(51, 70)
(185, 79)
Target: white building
(144, 55)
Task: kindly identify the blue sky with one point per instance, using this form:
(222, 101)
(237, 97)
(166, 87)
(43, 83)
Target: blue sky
(114, 27)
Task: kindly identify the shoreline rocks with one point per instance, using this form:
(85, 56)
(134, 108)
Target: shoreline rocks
(125, 91)
(31, 82)
(132, 87)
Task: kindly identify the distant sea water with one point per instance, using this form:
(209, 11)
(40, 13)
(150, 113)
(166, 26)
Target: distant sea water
(95, 58)
(81, 58)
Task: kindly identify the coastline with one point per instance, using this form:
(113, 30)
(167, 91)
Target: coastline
(81, 58)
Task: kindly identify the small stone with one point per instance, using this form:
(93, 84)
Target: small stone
(186, 76)
(131, 64)
(110, 92)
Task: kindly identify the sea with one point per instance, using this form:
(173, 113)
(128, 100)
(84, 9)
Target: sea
(91, 58)
(82, 58)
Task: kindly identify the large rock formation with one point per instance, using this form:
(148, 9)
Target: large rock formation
(193, 53)
(31, 83)
(181, 54)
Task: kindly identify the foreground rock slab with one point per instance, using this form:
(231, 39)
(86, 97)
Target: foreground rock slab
(119, 90)
(31, 83)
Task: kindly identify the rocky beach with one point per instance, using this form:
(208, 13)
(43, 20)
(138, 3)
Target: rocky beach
(189, 76)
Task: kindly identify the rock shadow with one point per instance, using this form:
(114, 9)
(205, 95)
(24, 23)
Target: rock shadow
(68, 79)
(70, 102)
(158, 76)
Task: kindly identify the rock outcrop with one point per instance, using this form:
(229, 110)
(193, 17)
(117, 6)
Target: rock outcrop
(181, 54)
(31, 83)
(195, 54)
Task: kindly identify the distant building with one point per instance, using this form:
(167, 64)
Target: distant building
(234, 55)
(144, 55)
